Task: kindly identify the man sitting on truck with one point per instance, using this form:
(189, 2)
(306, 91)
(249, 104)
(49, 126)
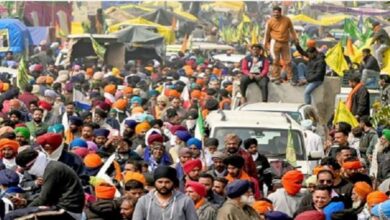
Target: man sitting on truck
(255, 68)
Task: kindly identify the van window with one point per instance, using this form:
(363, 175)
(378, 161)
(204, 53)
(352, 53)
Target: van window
(272, 142)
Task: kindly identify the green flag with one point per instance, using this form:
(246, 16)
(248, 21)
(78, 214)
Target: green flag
(99, 49)
(291, 156)
(22, 76)
(199, 129)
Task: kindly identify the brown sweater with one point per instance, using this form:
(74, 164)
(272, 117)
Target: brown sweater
(279, 30)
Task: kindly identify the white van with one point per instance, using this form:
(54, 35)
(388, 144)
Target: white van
(270, 130)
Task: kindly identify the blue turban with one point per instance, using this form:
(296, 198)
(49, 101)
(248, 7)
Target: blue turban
(237, 188)
(183, 135)
(101, 132)
(56, 128)
(78, 142)
(136, 99)
(196, 142)
(276, 215)
(153, 93)
(382, 210)
(131, 123)
(8, 178)
(75, 120)
(332, 208)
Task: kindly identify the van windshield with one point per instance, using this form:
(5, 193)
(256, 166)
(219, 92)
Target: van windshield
(272, 142)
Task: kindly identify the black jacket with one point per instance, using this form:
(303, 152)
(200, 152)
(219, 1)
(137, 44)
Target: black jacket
(316, 69)
(370, 63)
(361, 102)
(103, 210)
(61, 188)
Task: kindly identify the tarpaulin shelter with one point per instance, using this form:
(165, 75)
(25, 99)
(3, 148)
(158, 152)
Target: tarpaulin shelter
(117, 15)
(225, 6)
(141, 43)
(164, 17)
(39, 34)
(165, 31)
(14, 36)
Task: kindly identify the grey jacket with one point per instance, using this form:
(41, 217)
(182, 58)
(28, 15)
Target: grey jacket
(207, 212)
(181, 207)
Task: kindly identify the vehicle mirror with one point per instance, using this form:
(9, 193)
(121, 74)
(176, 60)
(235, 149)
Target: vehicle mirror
(315, 155)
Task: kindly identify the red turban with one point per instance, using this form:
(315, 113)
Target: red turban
(197, 187)
(5, 142)
(312, 214)
(53, 139)
(352, 165)
(45, 105)
(191, 164)
(375, 198)
(155, 138)
(362, 189)
(292, 181)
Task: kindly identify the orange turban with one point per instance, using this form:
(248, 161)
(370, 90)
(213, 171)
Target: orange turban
(217, 71)
(311, 43)
(173, 93)
(89, 71)
(5, 142)
(4, 87)
(196, 94)
(93, 160)
(188, 70)
(352, 165)
(120, 104)
(127, 90)
(200, 82)
(137, 110)
(142, 127)
(229, 88)
(292, 181)
(362, 189)
(6, 129)
(134, 176)
(49, 80)
(375, 198)
(110, 89)
(262, 207)
(41, 80)
(105, 191)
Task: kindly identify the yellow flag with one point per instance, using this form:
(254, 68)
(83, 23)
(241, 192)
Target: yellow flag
(291, 156)
(335, 59)
(342, 114)
(386, 60)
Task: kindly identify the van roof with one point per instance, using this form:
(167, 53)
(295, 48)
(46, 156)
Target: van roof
(250, 119)
(272, 106)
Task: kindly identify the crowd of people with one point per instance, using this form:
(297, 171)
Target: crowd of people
(132, 152)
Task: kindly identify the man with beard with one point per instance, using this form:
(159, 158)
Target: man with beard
(8, 152)
(165, 202)
(353, 171)
(195, 145)
(232, 147)
(181, 137)
(36, 123)
(207, 180)
(238, 205)
(218, 169)
(129, 129)
(234, 165)
(140, 131)
(360, 192)
(69, 111)
(127, 208)
(124, 152)
(204, 209)
(219, 186)
(340, 141)
(87, 132)
(74, 130)
(382, 156)
(23, 137)
(53, 148)
(184, 156)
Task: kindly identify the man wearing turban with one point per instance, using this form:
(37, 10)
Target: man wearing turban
(197, 192)
(360, 192)
(8, 152)
(53, 147)
(105, 205)
(74, 130)
(288, 198)
(23, 137)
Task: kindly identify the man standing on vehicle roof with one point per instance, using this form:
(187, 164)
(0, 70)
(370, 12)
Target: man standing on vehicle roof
(279, 31)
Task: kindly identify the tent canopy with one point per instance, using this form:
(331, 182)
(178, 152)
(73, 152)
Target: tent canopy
(14, 36)
(139, 38)
(164, 17)
(39, 34)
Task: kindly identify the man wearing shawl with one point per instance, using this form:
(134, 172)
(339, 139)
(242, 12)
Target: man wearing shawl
(8, 152)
